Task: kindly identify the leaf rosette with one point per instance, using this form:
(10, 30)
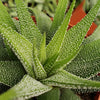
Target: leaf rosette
(43, 59)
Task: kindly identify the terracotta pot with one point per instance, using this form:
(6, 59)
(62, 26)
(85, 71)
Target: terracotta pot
(97, 96)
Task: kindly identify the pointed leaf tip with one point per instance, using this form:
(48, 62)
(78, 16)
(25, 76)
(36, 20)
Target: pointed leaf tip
(27, 26)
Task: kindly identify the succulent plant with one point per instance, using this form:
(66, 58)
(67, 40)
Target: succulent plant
(46, 61)
(47, 6)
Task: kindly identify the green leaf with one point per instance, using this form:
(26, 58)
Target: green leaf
(74, 37)
(9, 51)
(58, 18)
(55, 44)
(11, 72)
(54, 94)
(20, 45)
(5, 17)
(67, 94)
(67, 80)
(49, 62)
(27, 26)
(40, 73)
(40, 18)
(3, 54)
(16, 22)
(58, 65)
(87, 62)
(27, 88)
(3, 51)
(42, 55)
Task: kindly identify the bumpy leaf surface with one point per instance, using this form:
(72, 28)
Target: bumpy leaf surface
(58, 18)
(3, 51)
(75, 35)
(42, 53)
(16, 22)
(27, 88)
(5, 17)
(87, 62)
(3, 54)
(67, 80)
(40, 73)
(20, 45)
(55, 44)
(28, 27)
(11, 72)
(79, 63)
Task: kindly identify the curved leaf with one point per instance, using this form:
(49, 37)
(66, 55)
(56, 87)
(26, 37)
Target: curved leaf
(28, 27)
(74, 37)
(20, 45)
(3, 51)
(87, 62)
(16, 22)
(49, 62)
(67, 80)
(5, 17)
(27, 88)
(55, 44)
(58, 18)
(77, 65)
(39, 71)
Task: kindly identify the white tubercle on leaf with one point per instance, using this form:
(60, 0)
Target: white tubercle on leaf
(27, 26)
(55, 44)
(5, 17)
(40, 73)
(58, 18)
(20, 45)
(75, 36)
(26, 88)
(67, 80)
